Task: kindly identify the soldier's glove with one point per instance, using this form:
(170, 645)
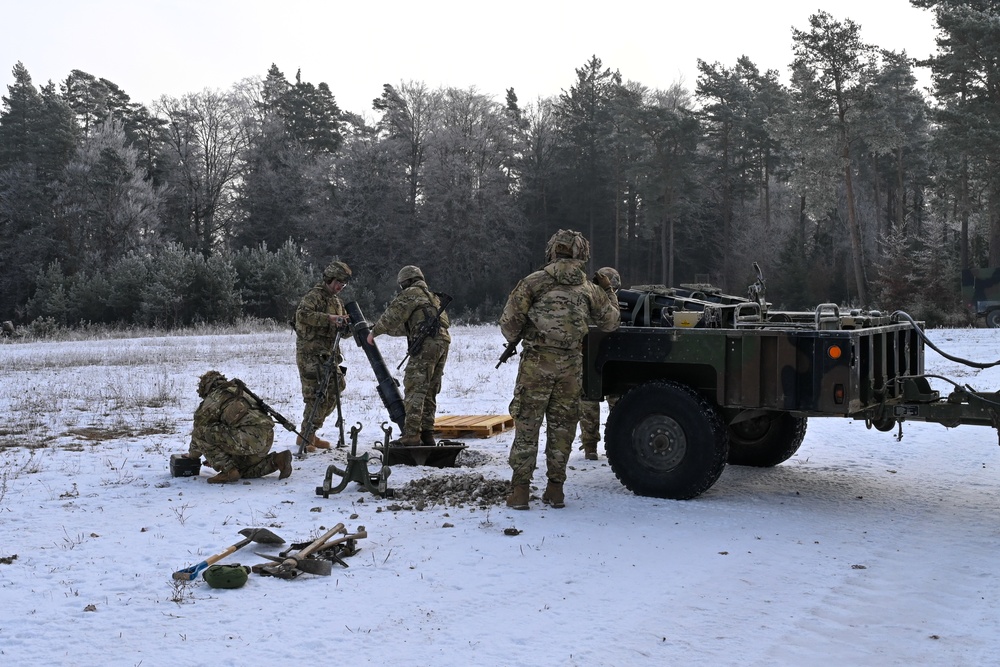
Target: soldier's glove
(603, 282)
(342, 323)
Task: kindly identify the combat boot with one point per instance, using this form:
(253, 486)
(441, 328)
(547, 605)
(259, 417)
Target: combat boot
(590, 453)
(282, 462)
(319, 443)
(408, 440)
(427, 438)
(309, 448)
(554, 495)
(231, 475)
(518, 498)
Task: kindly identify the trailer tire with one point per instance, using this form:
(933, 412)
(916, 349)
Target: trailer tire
(765, 441)
(666, 441)
(993, 318)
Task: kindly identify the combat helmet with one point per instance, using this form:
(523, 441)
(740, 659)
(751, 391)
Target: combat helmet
(612, 275)
(567, 244)
(209, 380)
(337, 271)
(408, 273)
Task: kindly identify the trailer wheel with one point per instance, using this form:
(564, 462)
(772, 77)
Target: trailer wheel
(993, 318)
(664, 440)
(765, 441)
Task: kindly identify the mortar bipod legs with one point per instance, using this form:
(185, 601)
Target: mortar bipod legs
(356, 471)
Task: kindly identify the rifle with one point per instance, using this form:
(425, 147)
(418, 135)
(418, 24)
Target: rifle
(427, 328)
(271, 412)
(305, 438)
(509, 350)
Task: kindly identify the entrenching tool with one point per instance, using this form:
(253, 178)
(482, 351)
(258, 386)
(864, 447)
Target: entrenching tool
(261, 535)
(286, 567)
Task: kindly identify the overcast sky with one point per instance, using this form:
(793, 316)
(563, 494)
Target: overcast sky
(154, 47)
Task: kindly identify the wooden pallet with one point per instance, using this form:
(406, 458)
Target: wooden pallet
(483, 426)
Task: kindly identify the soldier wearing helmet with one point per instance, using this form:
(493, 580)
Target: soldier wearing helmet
(234, 433)
(590, 411)
(550, 311)
(415, 309)
(317, 319)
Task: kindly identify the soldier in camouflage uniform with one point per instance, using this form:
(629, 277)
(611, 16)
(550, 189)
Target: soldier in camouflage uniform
(590, 411)
(319, 315)
(233, 433)
(549, 311)
(413, 306)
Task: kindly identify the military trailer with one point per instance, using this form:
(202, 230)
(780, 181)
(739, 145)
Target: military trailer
(704, 379)
(981, 294)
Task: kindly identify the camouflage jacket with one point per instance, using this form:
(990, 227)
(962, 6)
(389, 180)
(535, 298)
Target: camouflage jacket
(409, 310)
(552, 308)
(227, 409)
(313, 330)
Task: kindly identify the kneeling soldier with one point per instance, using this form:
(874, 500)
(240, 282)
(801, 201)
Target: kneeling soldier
(233, 433)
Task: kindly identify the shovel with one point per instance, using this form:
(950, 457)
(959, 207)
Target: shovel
(286, 567)
(262, 535)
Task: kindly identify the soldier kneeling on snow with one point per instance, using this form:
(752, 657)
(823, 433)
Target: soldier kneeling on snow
(233, 433)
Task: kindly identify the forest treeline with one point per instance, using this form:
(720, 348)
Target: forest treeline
(847, 184)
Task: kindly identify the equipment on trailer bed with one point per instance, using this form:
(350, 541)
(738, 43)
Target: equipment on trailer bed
(705, 379)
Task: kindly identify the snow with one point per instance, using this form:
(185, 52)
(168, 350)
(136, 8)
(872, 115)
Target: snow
(859, 550)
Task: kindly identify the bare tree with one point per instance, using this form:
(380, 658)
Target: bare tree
(205, 145)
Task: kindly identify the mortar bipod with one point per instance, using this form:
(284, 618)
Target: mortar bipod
(357, 471)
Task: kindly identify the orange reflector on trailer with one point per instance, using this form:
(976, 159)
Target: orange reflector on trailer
(834, 352)
(838, 394)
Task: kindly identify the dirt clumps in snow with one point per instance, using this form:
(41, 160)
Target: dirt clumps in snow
(453, 490)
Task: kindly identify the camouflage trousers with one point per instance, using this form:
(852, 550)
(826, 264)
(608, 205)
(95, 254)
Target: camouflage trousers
(310, 375)
(421, 385)
(225, 447)
(590, 422)
(548, 387)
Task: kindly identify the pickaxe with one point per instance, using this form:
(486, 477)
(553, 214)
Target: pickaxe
(286, 567)
(319, 561)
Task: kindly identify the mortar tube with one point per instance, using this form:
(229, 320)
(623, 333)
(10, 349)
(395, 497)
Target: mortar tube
(388, 386)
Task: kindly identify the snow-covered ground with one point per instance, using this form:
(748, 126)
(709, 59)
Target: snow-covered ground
(860, 550)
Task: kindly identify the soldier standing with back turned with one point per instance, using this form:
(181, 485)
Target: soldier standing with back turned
(319, 315)
(550, 310)
(413, 306)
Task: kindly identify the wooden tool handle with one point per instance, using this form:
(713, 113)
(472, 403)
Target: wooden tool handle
(302, 553)
(233, 549)
(360, 535)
